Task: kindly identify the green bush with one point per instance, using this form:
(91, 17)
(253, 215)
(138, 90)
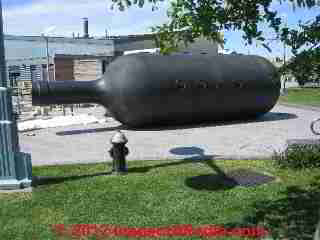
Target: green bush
(299, 157)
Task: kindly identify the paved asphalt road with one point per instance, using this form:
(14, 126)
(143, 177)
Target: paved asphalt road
(235, 140)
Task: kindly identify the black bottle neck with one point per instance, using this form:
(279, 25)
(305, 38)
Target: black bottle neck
(64, 92)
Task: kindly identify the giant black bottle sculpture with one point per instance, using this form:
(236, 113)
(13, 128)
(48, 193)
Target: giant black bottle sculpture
(143, 90)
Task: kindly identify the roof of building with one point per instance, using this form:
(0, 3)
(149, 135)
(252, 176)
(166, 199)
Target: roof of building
(29, 48)
(103, 42)
(133, 37)
(35, 47)
(20, 49)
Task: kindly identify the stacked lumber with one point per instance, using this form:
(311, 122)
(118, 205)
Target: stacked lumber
(85, 70)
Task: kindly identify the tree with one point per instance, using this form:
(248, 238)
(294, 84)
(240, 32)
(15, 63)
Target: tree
(305, 65)
(190, 19)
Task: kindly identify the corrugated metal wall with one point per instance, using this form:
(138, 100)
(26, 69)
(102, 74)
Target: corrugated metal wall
(25, 72)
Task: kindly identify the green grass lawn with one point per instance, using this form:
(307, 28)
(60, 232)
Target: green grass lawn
(302, 96)
(160, 194)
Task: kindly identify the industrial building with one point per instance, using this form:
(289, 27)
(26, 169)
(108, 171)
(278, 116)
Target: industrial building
(38, 58)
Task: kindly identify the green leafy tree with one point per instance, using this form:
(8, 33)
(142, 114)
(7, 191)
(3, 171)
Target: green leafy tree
(191, 19)
(305, 44)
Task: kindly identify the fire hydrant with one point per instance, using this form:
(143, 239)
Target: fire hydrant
(118, 152)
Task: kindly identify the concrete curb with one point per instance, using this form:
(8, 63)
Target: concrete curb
(173, 159)
(22, 190)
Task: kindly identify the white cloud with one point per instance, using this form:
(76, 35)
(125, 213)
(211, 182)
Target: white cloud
(67, 16)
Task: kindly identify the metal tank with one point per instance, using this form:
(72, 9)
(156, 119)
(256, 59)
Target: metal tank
(143, 90)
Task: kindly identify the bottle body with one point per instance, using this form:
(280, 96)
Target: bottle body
(147, 90)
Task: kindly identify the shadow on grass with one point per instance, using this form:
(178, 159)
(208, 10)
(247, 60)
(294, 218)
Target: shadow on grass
(294, 216)
(199, 158)
(174, 163)
(270, 116)
(47, 180)
(210, 182)
(219, 181)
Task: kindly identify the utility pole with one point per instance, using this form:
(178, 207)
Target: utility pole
(48, 60)
(45, 35)
(284, 61)
(284, 64)
(48, 56)
(3, 74)
(15, 166)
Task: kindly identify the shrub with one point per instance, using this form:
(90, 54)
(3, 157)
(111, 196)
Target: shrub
(298, 156)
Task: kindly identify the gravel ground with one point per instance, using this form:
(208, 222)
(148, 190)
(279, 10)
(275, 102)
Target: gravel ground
(234, 140)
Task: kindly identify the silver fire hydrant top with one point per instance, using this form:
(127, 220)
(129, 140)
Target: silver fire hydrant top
(315, 126)
(119, 137)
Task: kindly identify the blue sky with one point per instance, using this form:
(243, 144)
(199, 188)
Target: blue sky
(33, 17)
